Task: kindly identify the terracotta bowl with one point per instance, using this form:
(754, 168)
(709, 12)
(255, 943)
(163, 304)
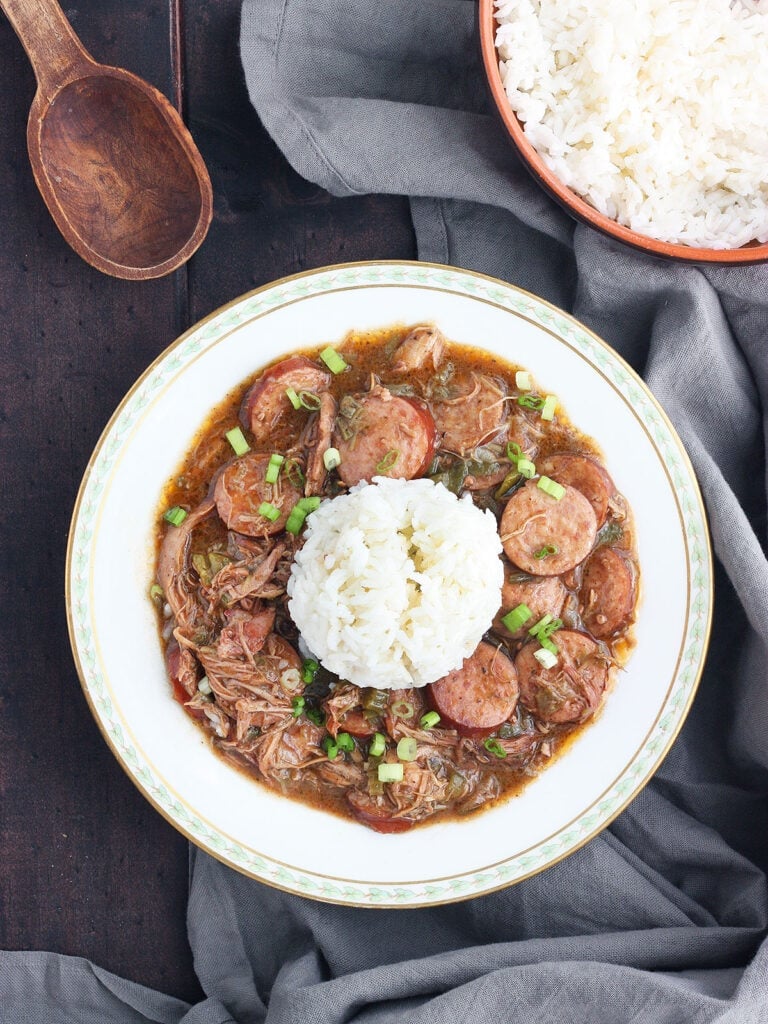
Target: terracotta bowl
(574, 204)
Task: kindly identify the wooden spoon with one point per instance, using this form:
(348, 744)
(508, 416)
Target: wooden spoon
(112, 158)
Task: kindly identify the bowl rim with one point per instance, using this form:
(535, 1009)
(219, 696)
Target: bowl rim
(577, 207)
(471, 285)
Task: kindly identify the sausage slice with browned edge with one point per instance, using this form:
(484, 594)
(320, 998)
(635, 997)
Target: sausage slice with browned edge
(607, 595)
(585, 474)
(266, 402)
(242, 488)
(478, 697)
(385, 435)
(571, 690)
(545, 536)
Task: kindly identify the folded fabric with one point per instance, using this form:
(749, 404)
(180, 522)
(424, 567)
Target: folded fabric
(662, 918)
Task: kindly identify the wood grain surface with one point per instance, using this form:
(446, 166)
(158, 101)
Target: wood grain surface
(87, 867)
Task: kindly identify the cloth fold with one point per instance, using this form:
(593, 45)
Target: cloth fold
(663, 916)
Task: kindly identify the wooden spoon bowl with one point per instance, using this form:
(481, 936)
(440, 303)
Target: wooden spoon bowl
(115, 164)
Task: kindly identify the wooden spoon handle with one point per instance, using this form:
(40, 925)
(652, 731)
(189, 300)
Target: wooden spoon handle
(56, 54)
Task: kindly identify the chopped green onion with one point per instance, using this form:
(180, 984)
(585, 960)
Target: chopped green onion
(273, 469)
(293, 398)
(530, 401)
(514, 451)
(523, 380)
(407, 748)
(509, 481)
(292, 470)
(547, 644)
(331, 748)
(331, 458)
(388, 461)
(308, 505)
(335, 362)
(430, 720)
(546, 658)
(526, 468)
(236, 438)
(546, 551)
(295, 520)
(344, 741)
(298, 704)
(548, 409)
(315, 715)
(539, 626)
(378, 745)
(551, 487)
(269, 511)
(309, 670)
(309, 400)
(402, 709)
(175, 516)
(494, 747)
(204, 687)
(156, 593)
(390, 772)
(516, 618)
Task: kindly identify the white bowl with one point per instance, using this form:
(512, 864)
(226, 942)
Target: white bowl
(284, 843)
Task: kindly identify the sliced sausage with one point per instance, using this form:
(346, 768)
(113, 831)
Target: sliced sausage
(476, 698)
(571, 690)
(377, 812)
(425, 343)
(266, 402)
(544, 595)
(388, 436)
(475, 417)
(607, 595)
(533, 521)
(242, 487)
(585, 474)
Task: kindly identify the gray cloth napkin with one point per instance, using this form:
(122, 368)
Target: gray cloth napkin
(663, 917)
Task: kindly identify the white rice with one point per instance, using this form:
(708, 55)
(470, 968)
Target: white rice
(396, 582)
(654, 111)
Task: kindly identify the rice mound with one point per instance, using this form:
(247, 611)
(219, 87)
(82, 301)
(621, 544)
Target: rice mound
(396, 582)
(654, 112)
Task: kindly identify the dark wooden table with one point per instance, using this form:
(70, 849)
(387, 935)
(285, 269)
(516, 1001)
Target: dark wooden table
(87, 867)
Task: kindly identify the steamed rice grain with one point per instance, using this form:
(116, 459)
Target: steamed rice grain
(396, 582)
(653, 111)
